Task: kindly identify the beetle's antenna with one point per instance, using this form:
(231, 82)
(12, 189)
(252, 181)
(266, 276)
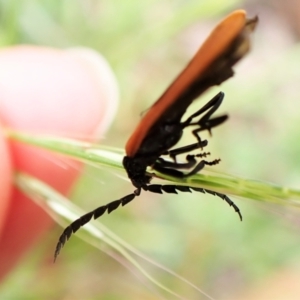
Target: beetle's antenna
(172, 189)
(96, 213)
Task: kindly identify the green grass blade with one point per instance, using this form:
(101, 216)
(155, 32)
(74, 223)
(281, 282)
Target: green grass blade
(112, 157)
(94, 233)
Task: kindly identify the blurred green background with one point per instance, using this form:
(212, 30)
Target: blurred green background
(147, 43)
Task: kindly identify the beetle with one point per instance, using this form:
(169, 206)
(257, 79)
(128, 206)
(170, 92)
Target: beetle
(162, 127)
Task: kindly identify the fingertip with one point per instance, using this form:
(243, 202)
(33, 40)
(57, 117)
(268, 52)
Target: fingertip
(54, 91)
(46, 91)
(6, 179)
(99, 69)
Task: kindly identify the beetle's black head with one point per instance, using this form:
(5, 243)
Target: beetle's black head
(136, 170)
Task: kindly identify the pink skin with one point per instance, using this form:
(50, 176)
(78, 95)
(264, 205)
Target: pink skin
(46, 91)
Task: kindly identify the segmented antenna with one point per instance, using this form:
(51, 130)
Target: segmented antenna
(154, 188)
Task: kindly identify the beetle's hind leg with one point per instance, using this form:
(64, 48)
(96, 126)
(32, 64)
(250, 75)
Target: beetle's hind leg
(206, 122)
(210, 107)
(208, 125)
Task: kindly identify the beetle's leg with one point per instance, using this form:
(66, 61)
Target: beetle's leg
(211, 106)
(161, 163)
(208, 125)
(185, 149)
(171, 168)
(205, 123)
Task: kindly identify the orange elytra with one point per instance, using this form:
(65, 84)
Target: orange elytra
(231, 29)
(161, 128)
